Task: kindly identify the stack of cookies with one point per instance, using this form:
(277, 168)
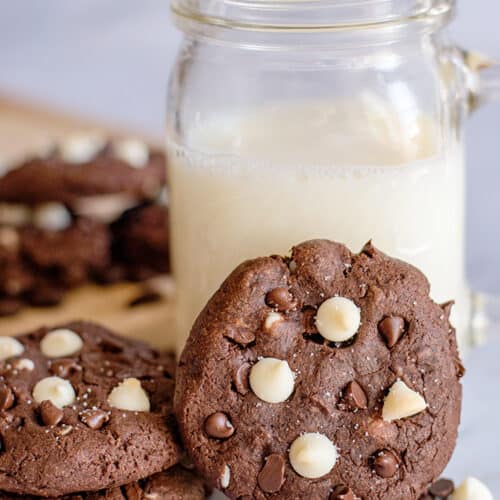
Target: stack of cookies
(324, 375)
(89, 210)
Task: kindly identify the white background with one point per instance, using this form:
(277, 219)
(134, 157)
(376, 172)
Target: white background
(110, 59)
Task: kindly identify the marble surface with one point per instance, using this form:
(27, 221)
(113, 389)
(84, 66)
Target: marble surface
(113, 64)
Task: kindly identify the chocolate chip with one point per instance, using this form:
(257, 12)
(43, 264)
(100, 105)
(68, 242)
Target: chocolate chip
(392, 328)
(240, 335)
(385, 463)
(447, 307)
(459, 367)
(355, 397)
(240, 379)
(342, 492)
(50, 414)
(272, 475)
(219, 426)
(425, 496)
(281, 299)
(64, 367)
(442, 488)
(369, 250)
(6, 398)
(146, 297)
(94, 419)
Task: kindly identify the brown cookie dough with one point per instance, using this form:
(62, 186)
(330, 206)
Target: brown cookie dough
(57, 178)
(83, 410)
(175, 484)
(141, 242)
(328, 373)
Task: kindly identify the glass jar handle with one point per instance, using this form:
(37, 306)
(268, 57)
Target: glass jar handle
(482, 76)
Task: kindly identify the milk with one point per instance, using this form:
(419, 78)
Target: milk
(256, 183)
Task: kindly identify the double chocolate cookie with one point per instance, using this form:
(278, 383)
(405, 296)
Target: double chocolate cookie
(82, 409)
(86, 165)
(175, 484)
(326, 375)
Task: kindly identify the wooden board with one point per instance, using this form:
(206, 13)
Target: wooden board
(26, 128)
(108, 306)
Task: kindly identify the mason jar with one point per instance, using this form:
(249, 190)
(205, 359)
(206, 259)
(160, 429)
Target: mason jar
(292, 120)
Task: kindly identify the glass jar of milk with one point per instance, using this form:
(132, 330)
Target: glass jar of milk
(290, 120)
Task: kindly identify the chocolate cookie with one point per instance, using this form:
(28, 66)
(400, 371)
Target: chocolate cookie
(38, 263)
(141, 242)
(327, 375)
(175, 484)
(83, 410)
(86, 165)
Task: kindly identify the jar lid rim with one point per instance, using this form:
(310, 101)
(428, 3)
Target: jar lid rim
(307, 15)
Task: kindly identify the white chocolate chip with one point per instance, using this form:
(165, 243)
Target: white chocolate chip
(60, 343)
(56, 390)
(105, 208)
(163, 198)
(313, 455)
(226, 477)
(24, 364)
(271, 319)
(52, 217)
(14, 215)
(132, 151)
(472, 489)
(272, 380)
(402, 402)
(10, 347)
(9, 238)
(338, 319)
(81, 148)
(129, 395)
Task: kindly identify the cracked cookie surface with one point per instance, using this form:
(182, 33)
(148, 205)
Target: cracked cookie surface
(322, 373)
